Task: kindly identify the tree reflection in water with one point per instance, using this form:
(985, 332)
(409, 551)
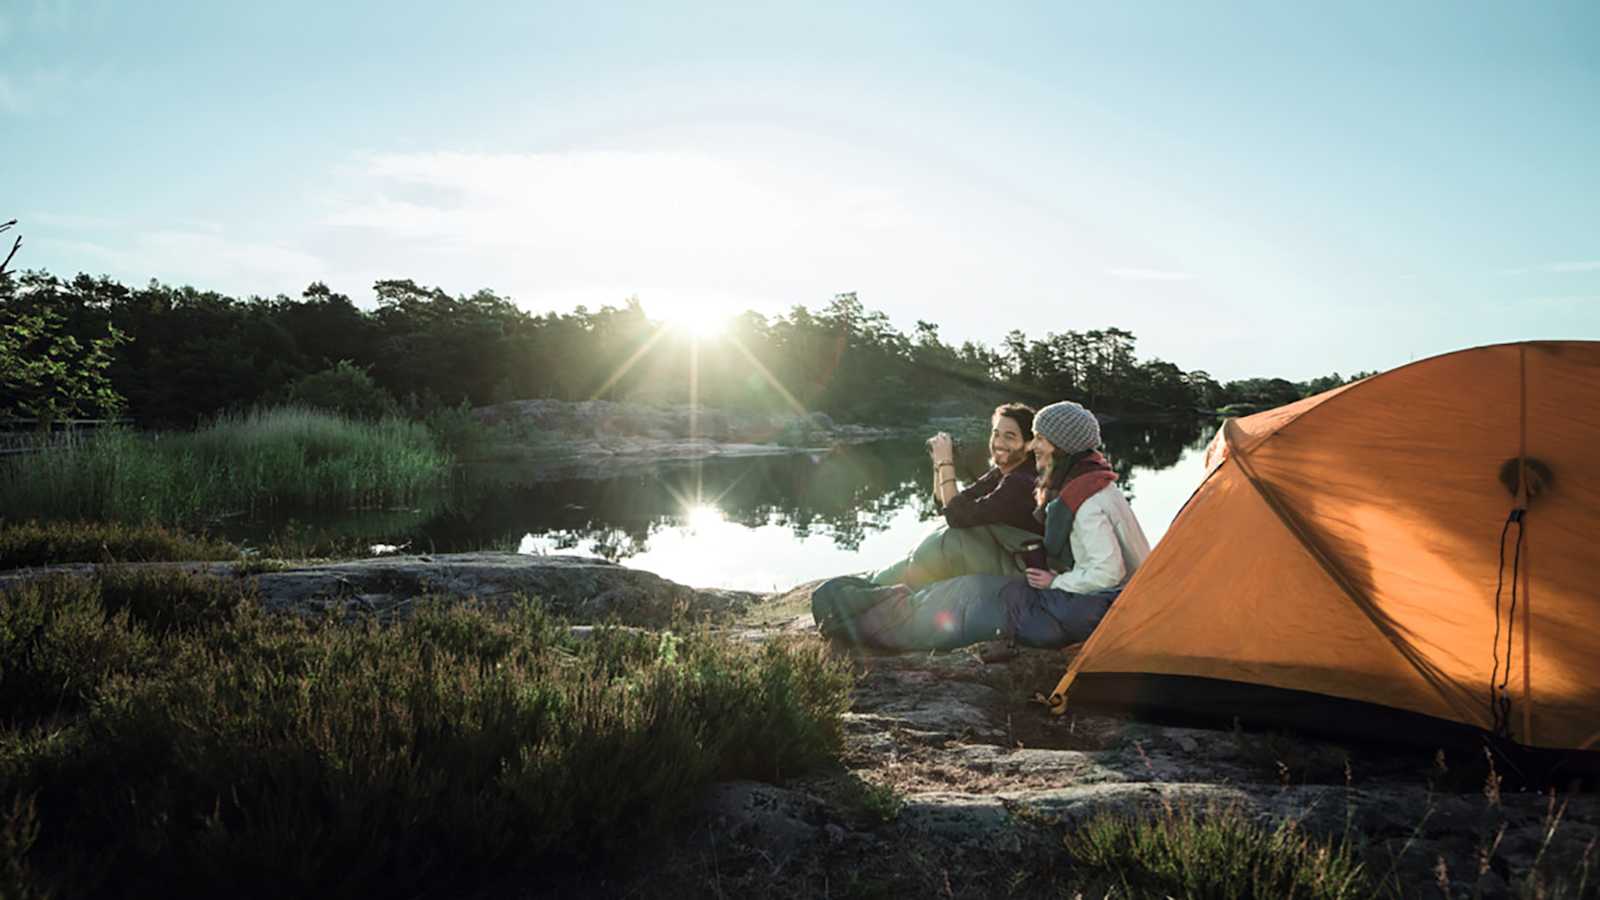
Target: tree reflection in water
(846, 494)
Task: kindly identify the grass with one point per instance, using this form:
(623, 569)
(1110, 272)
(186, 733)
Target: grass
(164, 733)
(35, 543)
(1220, 854)
(272, 459)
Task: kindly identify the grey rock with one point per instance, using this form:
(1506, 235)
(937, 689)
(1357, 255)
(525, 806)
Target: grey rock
(582, 588)
(764, 816)
(565, 438)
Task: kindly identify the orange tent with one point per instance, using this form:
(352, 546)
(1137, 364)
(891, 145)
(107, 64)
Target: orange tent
(1356, 563)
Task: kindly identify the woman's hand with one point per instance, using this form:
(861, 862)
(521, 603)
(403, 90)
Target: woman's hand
(941, 448)
(1040, 578)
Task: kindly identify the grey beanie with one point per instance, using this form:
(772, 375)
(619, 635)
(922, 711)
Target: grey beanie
(1067, 425)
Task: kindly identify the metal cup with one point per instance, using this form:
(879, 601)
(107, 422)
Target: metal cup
(1032, 555)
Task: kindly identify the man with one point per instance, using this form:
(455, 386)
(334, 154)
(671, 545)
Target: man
(986, 524)
(1004, 494)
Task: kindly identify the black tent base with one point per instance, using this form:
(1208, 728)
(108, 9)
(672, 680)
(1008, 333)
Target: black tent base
(1217, 703)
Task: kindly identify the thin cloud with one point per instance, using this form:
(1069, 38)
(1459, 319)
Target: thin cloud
(205, 260)
(1562, 300)
(1150, 275)
(655, 200)
(75, 221)
(11, 97)
(1586, 265)
(678, 228)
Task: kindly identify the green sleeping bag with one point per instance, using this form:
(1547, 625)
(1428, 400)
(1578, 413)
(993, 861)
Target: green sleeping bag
(948, 552)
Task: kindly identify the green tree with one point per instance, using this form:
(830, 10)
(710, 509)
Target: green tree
(47, 374)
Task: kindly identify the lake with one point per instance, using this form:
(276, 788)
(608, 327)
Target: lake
(755, 523)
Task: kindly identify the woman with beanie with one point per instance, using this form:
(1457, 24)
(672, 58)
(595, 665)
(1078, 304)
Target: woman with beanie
(1082, 510)
(1085, 512)
(1080, 505)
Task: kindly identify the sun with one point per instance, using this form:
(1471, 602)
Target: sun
(700, 324)
(700, 516)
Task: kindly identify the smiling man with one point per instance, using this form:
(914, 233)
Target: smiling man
(986, 524)
(1004, 494)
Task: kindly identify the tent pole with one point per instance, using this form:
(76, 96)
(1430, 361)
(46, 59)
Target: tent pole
(1527, 599)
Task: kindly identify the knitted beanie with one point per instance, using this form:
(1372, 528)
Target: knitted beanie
(1068, 426)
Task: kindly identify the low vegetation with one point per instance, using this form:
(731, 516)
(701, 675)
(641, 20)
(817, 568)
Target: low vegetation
(1221, 853)
(281, 458)
(165, 734)
(35, 543)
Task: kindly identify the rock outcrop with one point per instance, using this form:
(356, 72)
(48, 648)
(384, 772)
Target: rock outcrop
(955, 777)
(584, 589)
(560, 431)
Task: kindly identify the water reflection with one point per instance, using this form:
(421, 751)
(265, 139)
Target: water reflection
(757, 523)
(845, 494)
(845, 497)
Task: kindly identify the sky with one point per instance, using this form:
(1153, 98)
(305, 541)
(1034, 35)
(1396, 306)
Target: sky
(1275, 189)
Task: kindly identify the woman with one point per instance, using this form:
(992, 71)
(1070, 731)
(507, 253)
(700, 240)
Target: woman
(1085, 512)
(1082, 509)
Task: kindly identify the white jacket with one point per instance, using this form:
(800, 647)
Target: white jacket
(1107, 544)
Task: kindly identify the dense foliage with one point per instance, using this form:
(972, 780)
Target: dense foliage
(180, 355)
(162, 734)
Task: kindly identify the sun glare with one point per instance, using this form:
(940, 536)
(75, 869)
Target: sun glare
(703, 515)
(698, 323)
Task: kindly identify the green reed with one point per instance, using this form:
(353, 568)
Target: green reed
(273, 459)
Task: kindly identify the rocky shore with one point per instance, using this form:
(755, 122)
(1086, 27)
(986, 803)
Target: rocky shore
(566, 438)
(954, 782)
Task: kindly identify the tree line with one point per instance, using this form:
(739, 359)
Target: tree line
(172, 356)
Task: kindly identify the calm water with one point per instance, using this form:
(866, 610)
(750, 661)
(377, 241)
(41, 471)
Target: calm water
(761, 523)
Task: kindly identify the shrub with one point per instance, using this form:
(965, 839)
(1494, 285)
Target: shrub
(59, 647)
(51, 543)
(345, 389)
(272, 755)
(1218, 853)
(18, 830)
(164, 600)
(455, 427)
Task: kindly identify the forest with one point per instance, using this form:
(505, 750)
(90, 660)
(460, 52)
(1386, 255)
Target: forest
(168, 356)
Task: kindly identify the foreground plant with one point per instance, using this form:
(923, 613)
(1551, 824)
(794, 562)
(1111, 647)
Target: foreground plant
(1218, 853)
(224, 749)
(35, 543)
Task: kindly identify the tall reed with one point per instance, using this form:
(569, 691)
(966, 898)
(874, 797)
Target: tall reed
(281, 458)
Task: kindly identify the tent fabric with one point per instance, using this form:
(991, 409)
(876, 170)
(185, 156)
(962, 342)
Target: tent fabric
(1349, 546)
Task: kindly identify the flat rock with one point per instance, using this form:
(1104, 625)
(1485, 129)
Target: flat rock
(586, 589)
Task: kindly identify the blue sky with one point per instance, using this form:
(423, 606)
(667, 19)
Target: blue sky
(1269, 188)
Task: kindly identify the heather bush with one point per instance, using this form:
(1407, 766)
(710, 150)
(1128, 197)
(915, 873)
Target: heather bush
(52, 543)
(219, 748)
(1214, 853)
(59, 645)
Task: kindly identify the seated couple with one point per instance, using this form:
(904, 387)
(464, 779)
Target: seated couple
(1032, 553)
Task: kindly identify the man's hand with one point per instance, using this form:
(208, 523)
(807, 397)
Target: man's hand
(941, 448)
(1040, 578)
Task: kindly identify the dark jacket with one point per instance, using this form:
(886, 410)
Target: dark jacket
(998, 498)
